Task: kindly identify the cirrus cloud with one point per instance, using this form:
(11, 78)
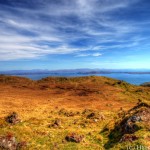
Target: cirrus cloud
(33, 30)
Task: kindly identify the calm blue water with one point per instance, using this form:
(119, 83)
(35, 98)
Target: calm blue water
(130, 78)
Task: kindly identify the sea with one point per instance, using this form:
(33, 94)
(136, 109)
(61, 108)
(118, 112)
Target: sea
(135, 79)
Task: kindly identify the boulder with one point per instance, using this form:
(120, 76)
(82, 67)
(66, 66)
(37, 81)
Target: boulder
(13, 118)
(9, 143)
(73, 137)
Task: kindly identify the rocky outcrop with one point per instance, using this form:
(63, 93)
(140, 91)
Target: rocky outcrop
(132, 121)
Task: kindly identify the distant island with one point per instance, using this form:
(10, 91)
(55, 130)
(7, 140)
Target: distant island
(75, 71)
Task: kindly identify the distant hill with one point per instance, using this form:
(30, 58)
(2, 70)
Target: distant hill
(147, 84)
(75, 71)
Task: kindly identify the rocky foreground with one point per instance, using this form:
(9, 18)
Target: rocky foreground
(85, 113)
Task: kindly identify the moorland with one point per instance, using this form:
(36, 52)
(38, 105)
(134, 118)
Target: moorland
(78, 113)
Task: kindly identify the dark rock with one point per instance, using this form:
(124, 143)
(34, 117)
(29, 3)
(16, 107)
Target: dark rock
(119, 82)
(95, 116)
(129, 138)
(73, 137)
(77, 113)
(130, 128)
(89, 133)
(70, 114)
(91, 115)
(21, 145)
(135, 119)
(66, 113)
(87, 111)
(141, 114)
(57, 123)
(128, 124)
(13, 118)
(9, 143)
(75, 121)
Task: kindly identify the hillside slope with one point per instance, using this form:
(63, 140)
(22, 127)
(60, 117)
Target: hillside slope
(55, 108)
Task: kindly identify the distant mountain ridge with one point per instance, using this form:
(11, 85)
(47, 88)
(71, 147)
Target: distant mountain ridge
(76, 71)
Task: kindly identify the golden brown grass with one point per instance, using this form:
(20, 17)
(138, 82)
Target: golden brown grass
(38, 104)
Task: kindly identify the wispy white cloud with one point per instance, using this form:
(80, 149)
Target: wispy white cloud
(51, 28)
(96, 54)
(88, 54)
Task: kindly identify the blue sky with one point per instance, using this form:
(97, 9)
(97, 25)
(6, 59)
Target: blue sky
(69, 34)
